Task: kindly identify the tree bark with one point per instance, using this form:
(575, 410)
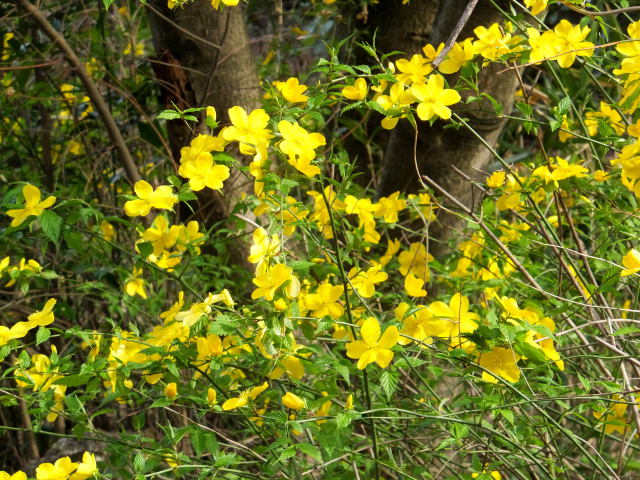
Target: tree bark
(439, 149)
(210, 64)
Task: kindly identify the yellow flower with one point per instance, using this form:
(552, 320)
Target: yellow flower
(32, 205)
(171, 390)
(292, 90)
(434, 99)
(162, 198)
(399, 98)
(200, 146)
(364, 282)
(568, 40)
(497, 178)
(204, 172)
(494, 475)
(631, 49)
(388, 207)
(137, 50)
(561, 170)
(161, 235)
(500, 362)
(461, 320)
(631, 263)
(248, 130)
(229, 3)
(244, 397)
(87, 468)
(415, 261)
(413, 286)
(615, 417)
(211, 113)
(348, 404)
(358, 91)
(459, 54)
(325, 301)
(43, 317)
(292, 401)
(270, 279)
(536, 6)
(58, 471)
(425, 206)
(600, 176)
(420, 324)
(19, 475)
(373, 347)
(107, 230)
(491, 43)
(264, 247)
(135, 284)
(211, 396)
(299, 145)
(414, 70)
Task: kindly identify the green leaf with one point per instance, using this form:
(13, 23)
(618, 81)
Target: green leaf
(42, 335)
(388, 382)
(286, 185)
(223, 325)
(169, 115)
(145, 248)
(139, 463)
(108, 3)
(310, 450)
(344, 371)
(564, 105)
(626, 330)
(73, 380)
(51, 224)
(343, 420)
(287, 453)
(24, 359)
(161, 402)
(586, 383)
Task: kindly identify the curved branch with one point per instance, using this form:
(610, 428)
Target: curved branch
(92, 91)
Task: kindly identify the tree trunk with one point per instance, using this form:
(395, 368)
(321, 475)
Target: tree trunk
(210, 64)
(438, 149)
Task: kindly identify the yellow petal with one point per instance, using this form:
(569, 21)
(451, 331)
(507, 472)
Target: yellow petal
(370, 331)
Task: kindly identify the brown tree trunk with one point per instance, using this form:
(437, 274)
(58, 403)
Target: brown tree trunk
(438, 149)
(210, 64)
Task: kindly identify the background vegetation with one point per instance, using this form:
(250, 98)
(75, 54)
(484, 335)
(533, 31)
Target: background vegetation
(323, 239)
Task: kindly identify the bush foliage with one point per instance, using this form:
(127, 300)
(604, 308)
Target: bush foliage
(338, 346)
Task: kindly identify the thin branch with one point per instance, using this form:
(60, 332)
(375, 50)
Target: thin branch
(464, 18)
(92, 91)
(600, 14)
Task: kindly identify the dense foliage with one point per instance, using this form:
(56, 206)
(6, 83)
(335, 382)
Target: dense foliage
(338, 347)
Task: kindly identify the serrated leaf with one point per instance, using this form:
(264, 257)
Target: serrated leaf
(344, 371)
(42, 335)
(139, 462)
(51, 224)
(343, 420)
(310, 450)
(586, 383)
(287, 453)
(388, 382)
(626, 330)
(564, 105)
(223, 325)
